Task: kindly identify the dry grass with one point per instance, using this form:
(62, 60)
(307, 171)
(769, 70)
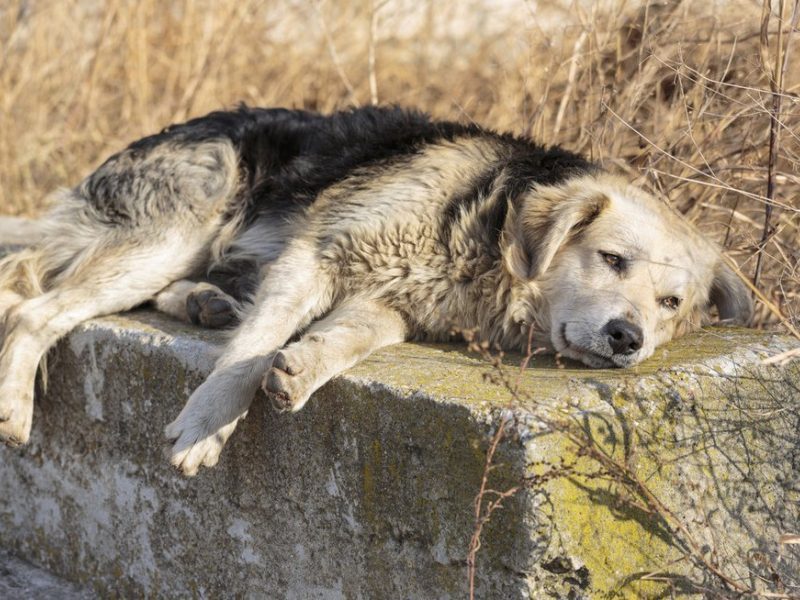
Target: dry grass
(673, 93)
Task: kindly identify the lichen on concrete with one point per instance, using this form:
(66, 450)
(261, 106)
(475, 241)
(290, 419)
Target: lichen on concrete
(368, 492)
(715, 443)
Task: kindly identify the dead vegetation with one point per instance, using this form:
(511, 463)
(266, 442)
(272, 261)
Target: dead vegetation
(622, 457)
(683, 96)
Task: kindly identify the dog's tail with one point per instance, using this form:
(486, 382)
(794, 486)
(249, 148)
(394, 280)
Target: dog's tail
(21, 277)
(22, 268)
(18, 231)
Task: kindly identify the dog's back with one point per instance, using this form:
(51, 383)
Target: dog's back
(286, 159)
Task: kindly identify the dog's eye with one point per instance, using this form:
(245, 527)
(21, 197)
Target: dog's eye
(614, 261)
(670, 302)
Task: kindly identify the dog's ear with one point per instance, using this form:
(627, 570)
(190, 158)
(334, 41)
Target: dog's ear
(730, 295)
(543, 223)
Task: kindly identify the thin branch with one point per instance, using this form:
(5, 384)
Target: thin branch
(720, 184)
(764, 300)
(783, 358)
(482, 514)
(776, 84)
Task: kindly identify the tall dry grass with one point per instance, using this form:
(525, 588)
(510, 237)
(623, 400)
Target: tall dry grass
(676, 94)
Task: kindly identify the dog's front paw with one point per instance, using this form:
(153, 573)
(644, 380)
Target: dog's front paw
(16, 417)
(190, 451)
(193, 446)
(211, 307)
(199, 433)
(288, 383)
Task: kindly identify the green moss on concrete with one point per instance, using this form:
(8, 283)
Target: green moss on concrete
(432, 367)
(616, 542)
(715, 454)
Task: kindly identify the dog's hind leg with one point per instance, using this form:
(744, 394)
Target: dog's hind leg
(143, 220)
(295, 291)
(200, 303)
(111, 279)
(352, 331)
(21, 277)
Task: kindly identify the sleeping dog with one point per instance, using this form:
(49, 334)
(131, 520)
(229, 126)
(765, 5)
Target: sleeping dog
(324, 238)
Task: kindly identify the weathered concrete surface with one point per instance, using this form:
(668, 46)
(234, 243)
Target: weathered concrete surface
(19, 579)
(368, 492)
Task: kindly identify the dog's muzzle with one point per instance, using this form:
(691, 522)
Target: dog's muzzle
(623, 337)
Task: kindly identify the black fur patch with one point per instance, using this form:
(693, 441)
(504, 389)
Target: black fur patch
(477, 192)
(287, 157)
(331, 148)
(237, 278)
(525, 164)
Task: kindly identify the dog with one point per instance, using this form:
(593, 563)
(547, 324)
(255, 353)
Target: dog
(328, 237)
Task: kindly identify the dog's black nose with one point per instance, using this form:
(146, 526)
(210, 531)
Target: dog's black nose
(623, 336)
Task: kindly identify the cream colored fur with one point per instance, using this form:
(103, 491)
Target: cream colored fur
(379, 257)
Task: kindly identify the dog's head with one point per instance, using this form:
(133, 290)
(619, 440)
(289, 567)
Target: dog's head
(618, 272)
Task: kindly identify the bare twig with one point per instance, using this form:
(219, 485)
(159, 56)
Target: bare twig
(530, 352)
(724, 186)
(782, 358)
(484, 513)
(633, 490)
(716, 183)
(789, 538)
(764, 300)
(776, 79)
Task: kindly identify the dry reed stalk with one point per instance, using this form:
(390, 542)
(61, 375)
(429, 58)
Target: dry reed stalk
(334, 54)
(374, 8)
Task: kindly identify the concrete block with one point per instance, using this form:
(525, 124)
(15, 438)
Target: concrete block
(19, 579)
(368, 491)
